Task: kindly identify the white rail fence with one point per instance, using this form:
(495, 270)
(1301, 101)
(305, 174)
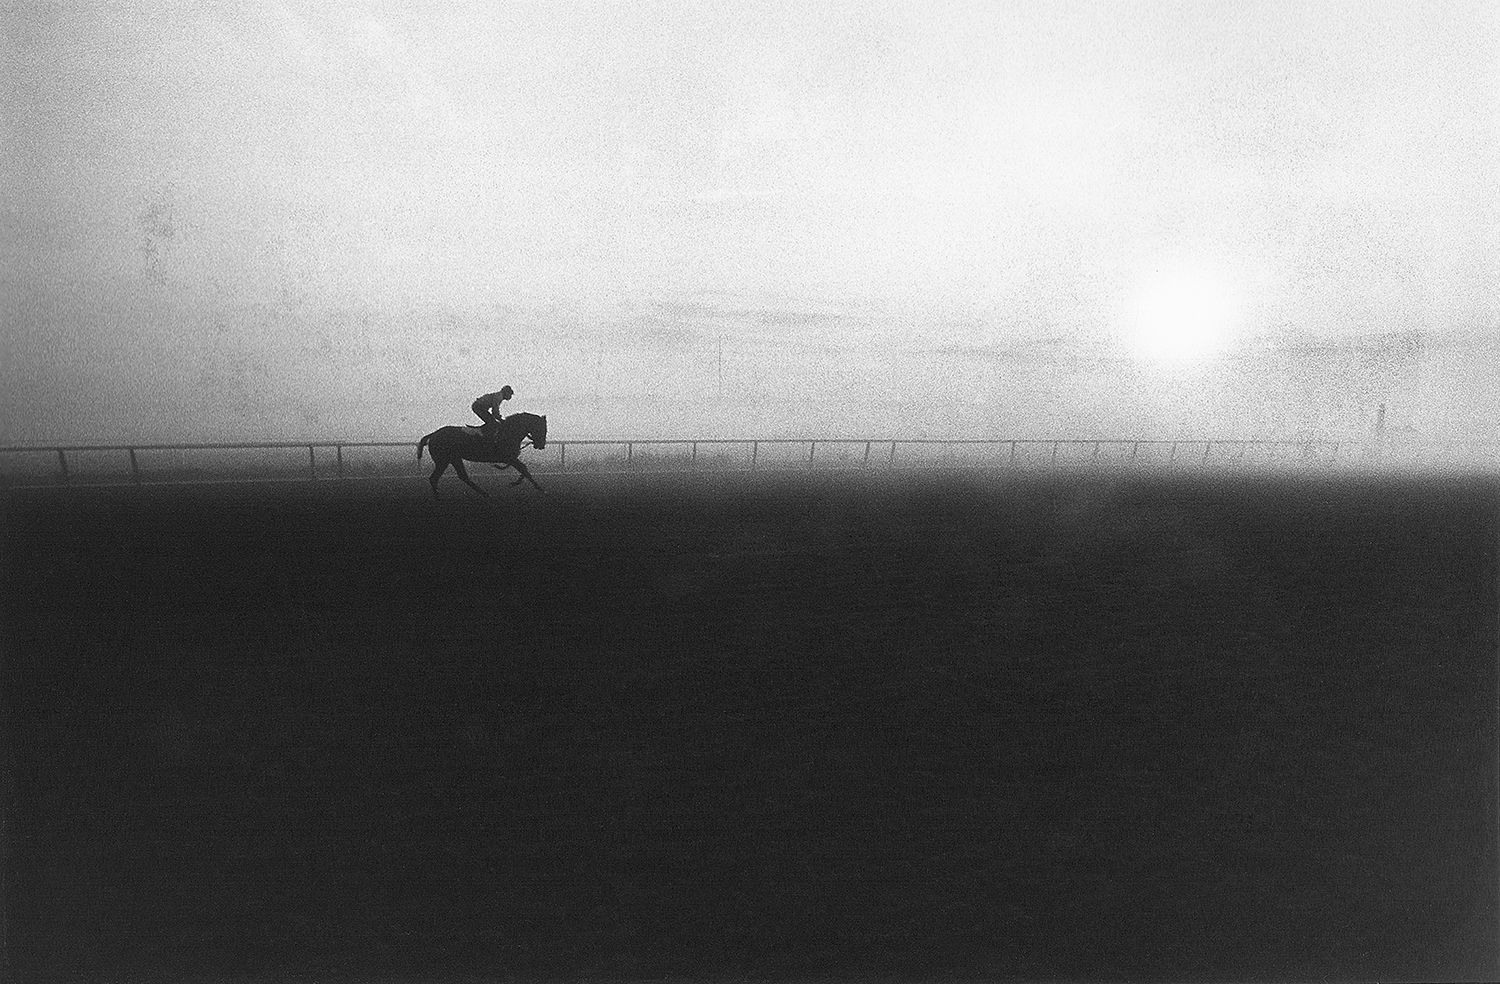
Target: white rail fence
(334, 460)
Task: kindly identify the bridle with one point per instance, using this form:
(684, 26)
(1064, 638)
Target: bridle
(525, 441)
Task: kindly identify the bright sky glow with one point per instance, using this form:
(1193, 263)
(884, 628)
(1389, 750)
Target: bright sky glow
(1181, 316)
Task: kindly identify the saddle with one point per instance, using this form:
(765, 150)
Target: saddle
(478, 430)
(477, 433)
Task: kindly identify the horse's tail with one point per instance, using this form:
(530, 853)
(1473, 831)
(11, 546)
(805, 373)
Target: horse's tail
(422, 444)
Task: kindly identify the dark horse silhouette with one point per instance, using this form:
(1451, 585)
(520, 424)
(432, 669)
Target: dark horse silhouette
(454, 445)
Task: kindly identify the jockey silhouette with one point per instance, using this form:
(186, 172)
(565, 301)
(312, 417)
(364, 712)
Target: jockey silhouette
(487, 409)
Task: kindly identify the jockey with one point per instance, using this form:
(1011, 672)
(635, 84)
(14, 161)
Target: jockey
(487, 409)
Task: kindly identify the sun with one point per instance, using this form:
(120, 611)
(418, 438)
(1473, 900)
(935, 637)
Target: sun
(1180, 315)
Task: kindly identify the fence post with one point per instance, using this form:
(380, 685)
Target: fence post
(893, 454)
(312, 465)
(1054, 455)
(1012, 453)
(1207, 447)
(1135, 449)
(1096, 454)
(812, 447)
(562, 456)
(135, 469)
(754, 453)
(695, 456)
(1173, 458)
(62, 462)
(629, 453)
(866, 462)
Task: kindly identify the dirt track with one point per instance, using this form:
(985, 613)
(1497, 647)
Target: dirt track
(775, 727)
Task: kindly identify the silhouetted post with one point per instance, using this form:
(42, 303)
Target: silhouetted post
(135, 469)
(312, 465)
(866, 462)
(62, 462)
(562, 456)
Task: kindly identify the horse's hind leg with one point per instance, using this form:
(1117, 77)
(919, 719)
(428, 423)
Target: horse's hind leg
(463, 473)
(439, 465)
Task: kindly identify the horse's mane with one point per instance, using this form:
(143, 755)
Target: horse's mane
(519, 423)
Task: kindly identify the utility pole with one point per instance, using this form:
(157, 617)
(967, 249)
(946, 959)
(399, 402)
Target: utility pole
(1379, 444)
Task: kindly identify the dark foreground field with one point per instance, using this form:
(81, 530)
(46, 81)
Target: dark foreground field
(770, 728)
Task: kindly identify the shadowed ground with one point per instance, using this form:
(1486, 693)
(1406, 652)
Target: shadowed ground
(753, 726)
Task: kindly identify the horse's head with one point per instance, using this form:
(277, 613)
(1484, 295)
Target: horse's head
(538, 433)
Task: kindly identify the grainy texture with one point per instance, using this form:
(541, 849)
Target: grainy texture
(766, 727)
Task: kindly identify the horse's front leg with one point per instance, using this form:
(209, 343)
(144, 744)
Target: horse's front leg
(525, 475)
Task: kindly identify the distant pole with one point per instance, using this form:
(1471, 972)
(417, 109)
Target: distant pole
(1379, 448)
(720, 339)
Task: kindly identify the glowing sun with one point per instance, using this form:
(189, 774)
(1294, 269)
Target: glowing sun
(1180, 315)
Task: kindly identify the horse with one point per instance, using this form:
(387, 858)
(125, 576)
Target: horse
(453, 445)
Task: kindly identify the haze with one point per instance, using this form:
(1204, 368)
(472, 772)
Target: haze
(1130, 219)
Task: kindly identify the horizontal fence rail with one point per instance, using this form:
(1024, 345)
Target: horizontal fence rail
(192, 463)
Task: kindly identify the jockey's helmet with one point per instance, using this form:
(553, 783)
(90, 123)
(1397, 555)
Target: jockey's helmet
(506, 392)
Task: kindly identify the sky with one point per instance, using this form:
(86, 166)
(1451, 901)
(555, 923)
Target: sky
(237, 220)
